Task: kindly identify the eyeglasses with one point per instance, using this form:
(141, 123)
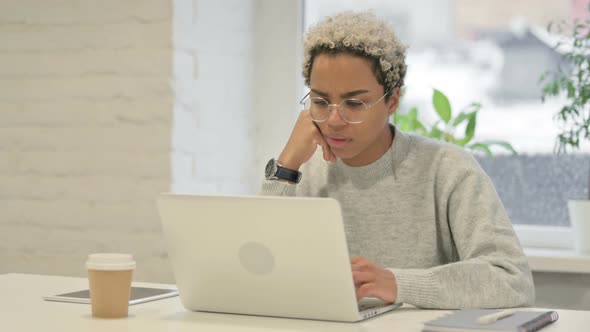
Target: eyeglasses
(351, 110)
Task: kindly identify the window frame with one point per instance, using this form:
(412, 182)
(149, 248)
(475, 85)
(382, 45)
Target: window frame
(546, 237)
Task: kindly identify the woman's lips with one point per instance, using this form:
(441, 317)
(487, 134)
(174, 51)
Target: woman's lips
(337, 142)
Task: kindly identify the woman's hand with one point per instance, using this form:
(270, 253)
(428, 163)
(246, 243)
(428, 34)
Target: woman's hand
(302, 144)
(373, 280)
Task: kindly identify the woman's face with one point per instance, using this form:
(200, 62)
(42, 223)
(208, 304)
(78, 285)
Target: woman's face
(336, 77)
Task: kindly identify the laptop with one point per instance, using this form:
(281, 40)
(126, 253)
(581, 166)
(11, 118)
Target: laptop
(263, 255)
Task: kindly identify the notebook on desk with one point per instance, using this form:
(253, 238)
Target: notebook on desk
(492, 320)
(261, 255)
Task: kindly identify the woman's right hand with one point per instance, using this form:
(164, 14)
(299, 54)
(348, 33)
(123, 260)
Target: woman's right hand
(303, 142)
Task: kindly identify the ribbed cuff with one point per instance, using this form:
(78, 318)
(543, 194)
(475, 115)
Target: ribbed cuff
(417, 287)
(277, 188)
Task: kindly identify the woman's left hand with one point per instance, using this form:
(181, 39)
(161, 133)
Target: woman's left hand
(373, 280)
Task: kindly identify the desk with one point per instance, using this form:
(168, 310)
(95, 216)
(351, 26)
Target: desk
(23, 309)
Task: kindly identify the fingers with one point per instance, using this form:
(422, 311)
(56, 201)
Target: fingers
(379, 285)
(372, 280)
(356, 259)
(325, 147)
(326, 150)
(376, 288)
(360, 278)
(364, 276)
(303, 142)
(361, 264)
(387, 295)
(365, 290)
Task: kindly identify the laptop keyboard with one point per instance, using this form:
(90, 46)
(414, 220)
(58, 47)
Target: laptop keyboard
(365, 306)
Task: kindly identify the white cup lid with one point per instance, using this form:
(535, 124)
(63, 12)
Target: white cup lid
(111, 262)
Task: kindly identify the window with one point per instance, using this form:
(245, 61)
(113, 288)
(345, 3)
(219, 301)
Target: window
(492, 52)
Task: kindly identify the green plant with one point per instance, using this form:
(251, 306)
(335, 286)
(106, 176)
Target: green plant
(445, 127)
(572, 79)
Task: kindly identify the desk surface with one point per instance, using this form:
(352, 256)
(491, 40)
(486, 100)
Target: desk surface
(23, 309)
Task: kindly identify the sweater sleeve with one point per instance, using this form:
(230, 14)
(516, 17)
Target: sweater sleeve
(277, 188)
(489, 269)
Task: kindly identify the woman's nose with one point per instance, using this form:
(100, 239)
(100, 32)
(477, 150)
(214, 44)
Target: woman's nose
(335, 118)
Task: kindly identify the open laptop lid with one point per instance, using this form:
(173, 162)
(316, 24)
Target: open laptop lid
(260, 255)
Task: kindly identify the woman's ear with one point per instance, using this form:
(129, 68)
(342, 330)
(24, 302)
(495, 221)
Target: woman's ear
(393, 101)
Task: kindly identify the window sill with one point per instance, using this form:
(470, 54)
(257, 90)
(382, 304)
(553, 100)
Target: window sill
(557, 260)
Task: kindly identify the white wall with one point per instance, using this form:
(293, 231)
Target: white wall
(277, 81)
(213, 116)
(238, 80)
(104, 105)
(85, 122)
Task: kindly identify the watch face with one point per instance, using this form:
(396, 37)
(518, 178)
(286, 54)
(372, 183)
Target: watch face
(271, 168)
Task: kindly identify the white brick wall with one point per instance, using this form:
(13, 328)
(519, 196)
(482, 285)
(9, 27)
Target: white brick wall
(104, 105)
(238, 81)
(213, 115)
(85, 132)
(278, 80)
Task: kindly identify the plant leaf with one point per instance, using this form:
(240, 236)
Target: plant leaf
(571, 91)
(441, 105)
(460, 118)
(483, 147)
(420, 128)
(409, 122)
(435, 133)
(410, 118)
(555, 88)
(502, 144)
(470, 129)
(403, 123)
(473, 107)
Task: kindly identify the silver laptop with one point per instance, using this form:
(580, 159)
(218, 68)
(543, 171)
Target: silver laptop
(261, 255)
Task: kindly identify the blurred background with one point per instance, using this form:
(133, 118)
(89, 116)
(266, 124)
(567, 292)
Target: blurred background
(103, 105)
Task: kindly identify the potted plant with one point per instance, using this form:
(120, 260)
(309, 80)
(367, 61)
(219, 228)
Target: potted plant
(572, 81)
(446, 127)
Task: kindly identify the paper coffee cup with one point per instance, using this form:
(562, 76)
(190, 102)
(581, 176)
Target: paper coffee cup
(109, 277)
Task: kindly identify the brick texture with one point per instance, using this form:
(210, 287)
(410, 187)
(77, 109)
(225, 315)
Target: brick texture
(86, 102)
(103, 105)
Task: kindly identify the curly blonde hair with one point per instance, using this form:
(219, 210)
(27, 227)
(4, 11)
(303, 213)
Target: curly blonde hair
(362, 34)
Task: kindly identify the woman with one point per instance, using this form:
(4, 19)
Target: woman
(423, 222)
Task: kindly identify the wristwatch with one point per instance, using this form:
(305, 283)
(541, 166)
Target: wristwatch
(275, 171)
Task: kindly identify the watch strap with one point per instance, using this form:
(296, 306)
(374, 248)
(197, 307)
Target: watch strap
(288, 174)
